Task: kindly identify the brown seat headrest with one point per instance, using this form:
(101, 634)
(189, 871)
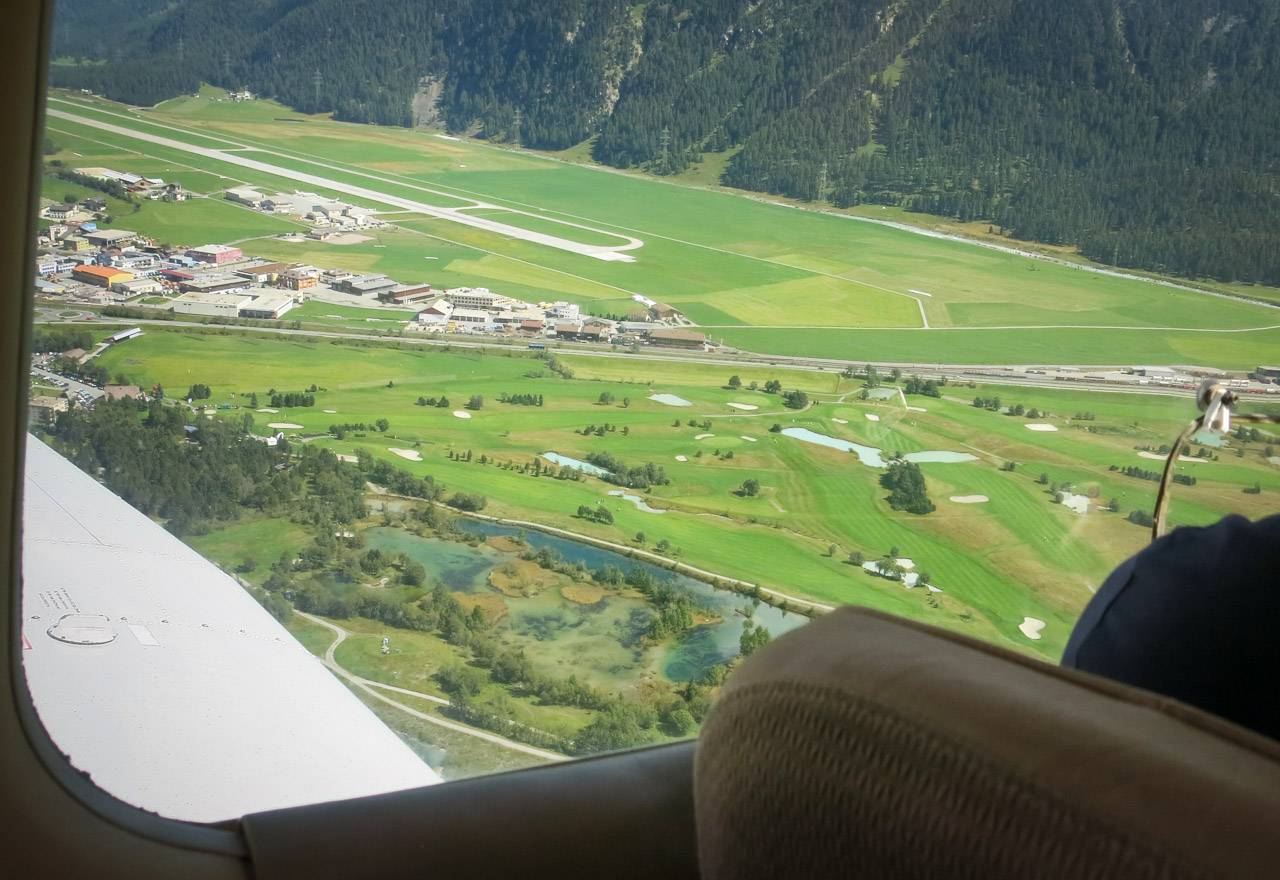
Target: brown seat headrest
(866, 745)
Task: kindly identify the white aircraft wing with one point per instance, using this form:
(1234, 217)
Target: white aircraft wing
(166, 682)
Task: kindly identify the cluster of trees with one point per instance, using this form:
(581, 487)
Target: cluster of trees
(926, 387)
(639, 477)
(1016, 409)
(555, 365)
(795, 399)
(292, 398)
(440, 402)
(192, 487)
(50, 339)
(750, 488)
(343, 429)
(1140, 517)
(399, 482)
(138, 312)
(470, 502)
(90, 372)
(1154, 476)
(601, 430)
(113, 188)
(520, 399)
(199, 391)
(373, 562)
(475, 401)
(598, 514)
(753, 638)
(674, 617)
(907, 490)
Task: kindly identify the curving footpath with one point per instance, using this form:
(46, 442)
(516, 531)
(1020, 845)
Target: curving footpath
(368, 686)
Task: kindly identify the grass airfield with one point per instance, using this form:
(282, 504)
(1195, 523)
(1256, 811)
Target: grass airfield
(1017, 555)
(757, 275)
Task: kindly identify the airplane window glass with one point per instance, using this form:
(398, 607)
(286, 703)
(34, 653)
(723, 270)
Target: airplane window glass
(406, 416)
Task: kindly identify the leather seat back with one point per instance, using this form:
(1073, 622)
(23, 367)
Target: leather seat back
(867, 745)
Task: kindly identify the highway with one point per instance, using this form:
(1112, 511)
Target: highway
(987, 374)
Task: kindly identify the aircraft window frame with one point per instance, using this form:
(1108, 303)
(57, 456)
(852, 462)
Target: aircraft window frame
(222, 838)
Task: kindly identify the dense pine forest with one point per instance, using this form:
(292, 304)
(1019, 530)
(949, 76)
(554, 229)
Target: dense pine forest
(1144, 133)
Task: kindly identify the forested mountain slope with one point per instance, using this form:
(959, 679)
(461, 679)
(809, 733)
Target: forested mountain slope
(1143, 132)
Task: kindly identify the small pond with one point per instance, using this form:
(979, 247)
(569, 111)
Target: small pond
(565, 461)
(597, 641)
(870, 455)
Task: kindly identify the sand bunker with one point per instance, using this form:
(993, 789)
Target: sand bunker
(704, 436)
(917, 409)
(408, 454)
(1157, 457)
(1077, 503)
(461, 414)
(342, 456)
(283, 425)
(748, 439)
(1031, 627)
(670, 399)
(744, 406)
(682, 458)
(267, 409)
(839, 421)
(575, 464)
(970, 499)
(909, 578)
(1040, 426)
(636, 500)
(872, 417)
(331, 411)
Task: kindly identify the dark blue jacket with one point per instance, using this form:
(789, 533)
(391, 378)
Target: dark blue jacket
(1195, 616)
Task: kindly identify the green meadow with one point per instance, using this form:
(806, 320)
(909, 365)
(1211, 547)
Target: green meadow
(1016, 555)
(760, 276)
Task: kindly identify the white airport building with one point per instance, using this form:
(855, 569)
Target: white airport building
(251, 303)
